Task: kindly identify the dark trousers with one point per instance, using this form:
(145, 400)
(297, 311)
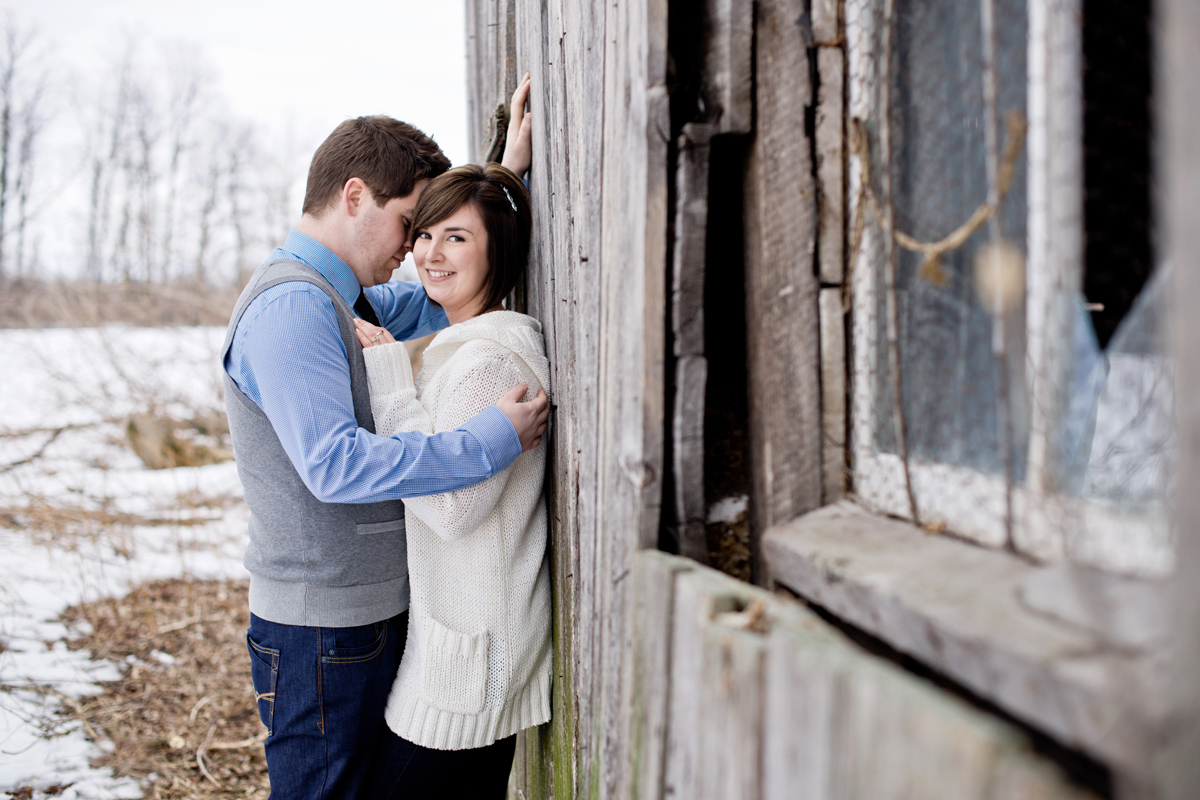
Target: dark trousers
(321, 693)
(405, 770)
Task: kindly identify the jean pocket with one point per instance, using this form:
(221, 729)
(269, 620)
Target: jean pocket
(356, 644)
(455, 671)
(264, 673)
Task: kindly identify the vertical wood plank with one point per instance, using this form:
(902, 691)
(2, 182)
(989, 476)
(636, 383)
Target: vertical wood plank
(578, 208)
(654, 579)
(731, 703)
(697, 599)
(1179, 173)
(633, 243)
(491, 67)
(687, 323)
(833, 395)
(826, 22)
(727, 75)
(691, 379)
(554, 290)
(831, 138)
(781, 287)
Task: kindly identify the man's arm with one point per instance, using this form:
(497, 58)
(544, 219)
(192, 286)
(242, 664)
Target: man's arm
(293, 365)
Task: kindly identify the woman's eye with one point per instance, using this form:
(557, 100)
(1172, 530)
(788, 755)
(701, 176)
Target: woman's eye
(454, 237)
(423, 235)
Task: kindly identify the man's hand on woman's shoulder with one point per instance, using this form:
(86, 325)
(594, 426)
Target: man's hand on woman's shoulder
(529, 418)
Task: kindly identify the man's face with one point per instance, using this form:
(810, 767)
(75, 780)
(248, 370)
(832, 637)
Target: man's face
(382, 235)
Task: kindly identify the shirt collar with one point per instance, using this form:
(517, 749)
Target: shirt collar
(309, 251)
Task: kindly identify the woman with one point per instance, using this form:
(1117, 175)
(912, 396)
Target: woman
(476, 665)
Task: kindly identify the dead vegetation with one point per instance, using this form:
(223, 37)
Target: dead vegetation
(159, 440)
(727, 474)
(182, 718)
(162, 442)
(76, 304)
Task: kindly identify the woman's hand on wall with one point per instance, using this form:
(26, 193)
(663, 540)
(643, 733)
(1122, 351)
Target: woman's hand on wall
(518, 147)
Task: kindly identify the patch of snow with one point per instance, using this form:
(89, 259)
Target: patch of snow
(166, 659)
(728, 509)
(92, 379)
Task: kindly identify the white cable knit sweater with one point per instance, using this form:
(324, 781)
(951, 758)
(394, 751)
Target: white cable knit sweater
(477, 661)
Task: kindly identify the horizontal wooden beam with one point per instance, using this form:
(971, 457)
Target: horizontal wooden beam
(1006, 630)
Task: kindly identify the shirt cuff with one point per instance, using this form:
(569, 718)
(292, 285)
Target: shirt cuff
(497, 435)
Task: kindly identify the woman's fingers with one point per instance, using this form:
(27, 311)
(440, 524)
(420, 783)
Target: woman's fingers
(369, 334)
(519, 98)
(517, 148)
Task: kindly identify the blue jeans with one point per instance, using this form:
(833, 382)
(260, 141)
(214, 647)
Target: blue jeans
(321, 693)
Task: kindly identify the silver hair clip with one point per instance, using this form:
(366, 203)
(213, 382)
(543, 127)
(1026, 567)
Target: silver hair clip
(511, 202)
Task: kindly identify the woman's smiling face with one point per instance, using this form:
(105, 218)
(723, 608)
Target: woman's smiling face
(452, 261)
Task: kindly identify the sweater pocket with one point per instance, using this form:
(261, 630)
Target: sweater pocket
(455, 669)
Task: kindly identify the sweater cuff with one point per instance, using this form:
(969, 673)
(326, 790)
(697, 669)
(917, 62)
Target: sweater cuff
(388, 368)
(497, 435)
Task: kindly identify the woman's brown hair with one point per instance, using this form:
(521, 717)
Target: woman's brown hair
(502, 201)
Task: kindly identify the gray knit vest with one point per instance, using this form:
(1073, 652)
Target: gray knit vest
(312, 563)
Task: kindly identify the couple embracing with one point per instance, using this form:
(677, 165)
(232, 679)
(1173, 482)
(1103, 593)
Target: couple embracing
(367, 487)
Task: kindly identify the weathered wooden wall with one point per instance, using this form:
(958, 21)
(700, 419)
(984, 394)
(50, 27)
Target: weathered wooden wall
(596, 282)
(744, 695)
(672, 680)
(1179, 173)
(781, 283)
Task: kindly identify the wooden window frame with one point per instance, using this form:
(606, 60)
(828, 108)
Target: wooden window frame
(1045, 525)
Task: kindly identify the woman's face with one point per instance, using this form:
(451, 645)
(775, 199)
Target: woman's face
(452, 261)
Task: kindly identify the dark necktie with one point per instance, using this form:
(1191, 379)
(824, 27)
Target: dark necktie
(363, 306)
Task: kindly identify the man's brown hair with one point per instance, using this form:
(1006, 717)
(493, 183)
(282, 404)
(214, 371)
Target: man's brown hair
(388, 155)
(502, 201)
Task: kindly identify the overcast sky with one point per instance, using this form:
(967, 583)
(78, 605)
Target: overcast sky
(312, 64)
(296, 69)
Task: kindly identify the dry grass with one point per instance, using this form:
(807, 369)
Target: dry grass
(729, 547)
(727, 474)
(40, 304)
(162, 442)
(68, 524)
(189, 728)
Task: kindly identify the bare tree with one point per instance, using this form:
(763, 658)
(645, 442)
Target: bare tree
(188, 79)
(32, 122)
(104, 161)
(15, 60)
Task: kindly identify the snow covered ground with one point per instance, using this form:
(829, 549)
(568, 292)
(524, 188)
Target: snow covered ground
(64, 398)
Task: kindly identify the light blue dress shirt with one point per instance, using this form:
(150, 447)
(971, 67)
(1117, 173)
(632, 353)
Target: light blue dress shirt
(287, 356)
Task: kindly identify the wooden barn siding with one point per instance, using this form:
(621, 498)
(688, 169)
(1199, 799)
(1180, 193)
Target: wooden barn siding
(751, 696)
(654, 695)
(596, 282)
(783, 340)
(1179, 175)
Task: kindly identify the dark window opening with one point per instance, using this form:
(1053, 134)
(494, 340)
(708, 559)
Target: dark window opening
(1116, 158)
(727, 408)
(726, 458)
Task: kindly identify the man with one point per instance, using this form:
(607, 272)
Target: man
(329, 580)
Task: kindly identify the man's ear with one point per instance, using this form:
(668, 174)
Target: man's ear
(354, 193)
